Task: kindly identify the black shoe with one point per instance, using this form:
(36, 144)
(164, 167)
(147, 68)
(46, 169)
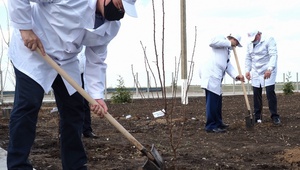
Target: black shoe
(223, 126)
(90, 135)
(216, 130)
(276, 121)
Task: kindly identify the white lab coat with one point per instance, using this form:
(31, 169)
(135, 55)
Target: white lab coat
(82, 61)
(261, 58)
(64, 27)
(213, 71)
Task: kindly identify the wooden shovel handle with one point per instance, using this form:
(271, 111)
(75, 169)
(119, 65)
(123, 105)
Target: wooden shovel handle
(80, 90)
(243, 84)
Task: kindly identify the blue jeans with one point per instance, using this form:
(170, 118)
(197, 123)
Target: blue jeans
(213, 110)
(22, 127)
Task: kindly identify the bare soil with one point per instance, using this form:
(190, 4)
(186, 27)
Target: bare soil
(263, 147)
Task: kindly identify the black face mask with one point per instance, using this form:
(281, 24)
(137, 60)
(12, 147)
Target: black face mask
(112, 13)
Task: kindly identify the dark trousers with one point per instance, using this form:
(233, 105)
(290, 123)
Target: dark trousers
(87, 113)
(213, 110)
(272, 101)
(22, 127)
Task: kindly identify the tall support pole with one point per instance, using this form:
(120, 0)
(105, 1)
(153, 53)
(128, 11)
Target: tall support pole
(297, 82)
(1, 100)
(184, 97)
(137, 82)
(148, 84)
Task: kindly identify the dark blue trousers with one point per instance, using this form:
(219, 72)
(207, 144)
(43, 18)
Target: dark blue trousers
(87, 113)
(87, 117)
(22, 127)
(213, 110)
(272, 101)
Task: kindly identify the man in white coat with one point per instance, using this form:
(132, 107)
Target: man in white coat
(59, 28)
(212, 75)
(261, 69)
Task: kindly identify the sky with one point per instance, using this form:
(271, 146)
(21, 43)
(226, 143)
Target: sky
(206, 19)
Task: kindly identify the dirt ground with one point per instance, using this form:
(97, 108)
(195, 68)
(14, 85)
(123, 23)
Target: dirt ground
(263, 147)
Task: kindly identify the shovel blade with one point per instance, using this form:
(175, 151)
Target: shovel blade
(157, 164)
(150, 165)
(249, 122)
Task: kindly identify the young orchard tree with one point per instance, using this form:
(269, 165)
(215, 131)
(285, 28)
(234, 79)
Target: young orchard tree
(174, 110)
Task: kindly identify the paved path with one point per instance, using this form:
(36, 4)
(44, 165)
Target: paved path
(3, 154)
(50, 98)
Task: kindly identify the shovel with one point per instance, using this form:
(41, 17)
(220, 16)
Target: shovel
(154, 161)
(249, 118)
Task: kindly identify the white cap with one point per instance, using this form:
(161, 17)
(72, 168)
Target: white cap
(129, 7)
(237, 37)
(252, 34)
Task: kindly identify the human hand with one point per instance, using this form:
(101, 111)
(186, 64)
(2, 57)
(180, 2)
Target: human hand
(248, 76)
(32, 41)
(240, 78)
(118, 4)
(267, 74)
(100, 108)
